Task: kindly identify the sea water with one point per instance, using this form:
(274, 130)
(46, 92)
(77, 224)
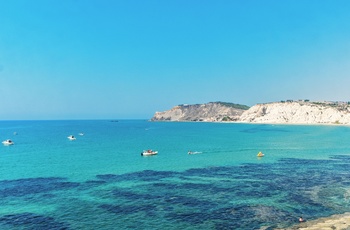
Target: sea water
(101, 181)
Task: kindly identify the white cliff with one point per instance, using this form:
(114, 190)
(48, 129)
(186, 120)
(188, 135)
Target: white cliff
(290, 112)
(298, 113)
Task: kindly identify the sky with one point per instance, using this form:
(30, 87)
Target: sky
(127, 59)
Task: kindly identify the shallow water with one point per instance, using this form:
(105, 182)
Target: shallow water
(100, 181)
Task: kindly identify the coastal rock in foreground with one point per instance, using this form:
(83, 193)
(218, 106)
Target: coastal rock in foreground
(298, 112)
(213, 111)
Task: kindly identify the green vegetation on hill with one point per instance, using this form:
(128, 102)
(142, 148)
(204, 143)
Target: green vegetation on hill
(233, 105)
(227, 104)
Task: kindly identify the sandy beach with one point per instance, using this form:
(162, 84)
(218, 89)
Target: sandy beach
(335, 222)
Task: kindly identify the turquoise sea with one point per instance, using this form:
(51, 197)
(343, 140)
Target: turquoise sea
(101, 181)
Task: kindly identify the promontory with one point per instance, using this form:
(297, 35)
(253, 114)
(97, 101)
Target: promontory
(212, 111)
(283, 112)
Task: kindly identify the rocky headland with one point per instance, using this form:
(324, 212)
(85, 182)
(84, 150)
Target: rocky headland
(284, 112)
(213, 111)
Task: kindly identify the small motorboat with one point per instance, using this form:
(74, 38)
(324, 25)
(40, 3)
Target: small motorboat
(260, 154)
(191, 152)
(81, 134)
(8, 142)
(71, 137)
(149, 152)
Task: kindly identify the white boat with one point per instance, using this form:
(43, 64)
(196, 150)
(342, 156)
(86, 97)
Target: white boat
(71, 137)
(81, 134)
(8, 142)
(190, 152)
(149, 152)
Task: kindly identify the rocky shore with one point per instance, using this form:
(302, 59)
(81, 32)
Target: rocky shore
(335, 222)
(284, 112)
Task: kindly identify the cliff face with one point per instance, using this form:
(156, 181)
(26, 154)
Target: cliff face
(298, 113)
(213, 111)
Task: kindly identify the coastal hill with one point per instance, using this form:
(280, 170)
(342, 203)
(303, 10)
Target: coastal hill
(212, 111)
(284, 112)
(298, 112)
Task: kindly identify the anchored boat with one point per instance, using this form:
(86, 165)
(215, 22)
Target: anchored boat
(149, 152)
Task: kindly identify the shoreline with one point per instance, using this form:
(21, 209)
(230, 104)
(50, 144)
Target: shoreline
(255, 123)
(333, 222)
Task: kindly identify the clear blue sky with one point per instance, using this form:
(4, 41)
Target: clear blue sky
(115, 59)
